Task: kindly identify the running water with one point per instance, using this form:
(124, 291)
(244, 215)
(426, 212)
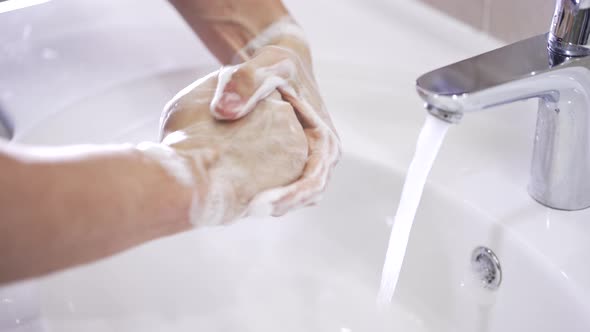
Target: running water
(427, 148)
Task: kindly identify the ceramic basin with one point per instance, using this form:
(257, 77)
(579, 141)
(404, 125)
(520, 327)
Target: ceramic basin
(317, 269)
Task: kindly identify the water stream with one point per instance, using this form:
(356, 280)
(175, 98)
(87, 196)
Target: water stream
(427, 147)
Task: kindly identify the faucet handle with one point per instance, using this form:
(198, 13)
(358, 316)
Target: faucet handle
(570, 28)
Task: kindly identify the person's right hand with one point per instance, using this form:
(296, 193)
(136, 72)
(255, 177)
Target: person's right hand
(268, 52)
(233, 160)
(279, 60)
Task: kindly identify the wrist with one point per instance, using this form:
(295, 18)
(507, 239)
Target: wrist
(284, 33)
(182, 183)
(226, 26)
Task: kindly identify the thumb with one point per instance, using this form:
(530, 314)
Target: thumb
(240, 88)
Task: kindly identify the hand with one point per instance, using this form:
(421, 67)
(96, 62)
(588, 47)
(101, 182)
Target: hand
(279, 60)
(235, 160)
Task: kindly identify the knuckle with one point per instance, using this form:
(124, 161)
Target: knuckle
(245, 69)
(244, 75)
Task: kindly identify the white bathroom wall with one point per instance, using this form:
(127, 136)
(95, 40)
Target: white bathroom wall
(508, 20)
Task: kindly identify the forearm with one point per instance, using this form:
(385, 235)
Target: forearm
(226, 26)
(62, 207)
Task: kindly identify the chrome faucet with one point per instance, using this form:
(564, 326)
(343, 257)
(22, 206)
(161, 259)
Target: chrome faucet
(553, 67)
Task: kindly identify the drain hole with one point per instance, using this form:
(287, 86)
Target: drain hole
(486, 266)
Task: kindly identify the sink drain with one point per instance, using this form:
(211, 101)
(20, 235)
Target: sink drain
(486, 266)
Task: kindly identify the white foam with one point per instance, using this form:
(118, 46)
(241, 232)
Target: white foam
(427, 147)
(269, 79)
(263, 204)
(206, 212)
(223, 77)
(268, 86)
(284, 26)
(211, 212)
(175, 165)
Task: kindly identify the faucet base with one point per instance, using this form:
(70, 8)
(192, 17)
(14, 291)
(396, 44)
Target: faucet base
(560, 168)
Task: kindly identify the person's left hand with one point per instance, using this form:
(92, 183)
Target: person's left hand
(234, 160)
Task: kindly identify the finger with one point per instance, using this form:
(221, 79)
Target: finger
(309, 188)
(309, 116)
(241, 87)
(277, 202)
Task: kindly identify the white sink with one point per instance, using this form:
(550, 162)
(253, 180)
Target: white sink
(317, 269)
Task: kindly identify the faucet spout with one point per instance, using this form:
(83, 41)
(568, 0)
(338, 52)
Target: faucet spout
(560, 170)
(498, 77)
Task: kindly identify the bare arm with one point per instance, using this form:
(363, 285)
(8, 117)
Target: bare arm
(71, 205)
(226, 26)
(66, 206)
